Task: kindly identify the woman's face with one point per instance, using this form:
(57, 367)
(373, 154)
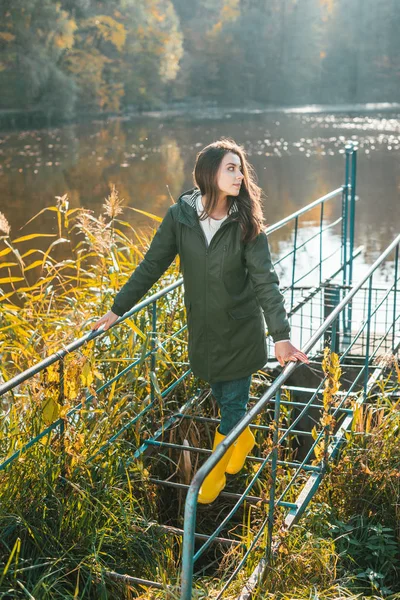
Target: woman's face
(230, 176)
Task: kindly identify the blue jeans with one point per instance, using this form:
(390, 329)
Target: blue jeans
(232, 397)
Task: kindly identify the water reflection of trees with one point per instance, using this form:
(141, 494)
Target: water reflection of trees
(96, 158)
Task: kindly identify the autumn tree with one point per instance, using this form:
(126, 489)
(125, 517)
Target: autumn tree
(126, 52)
(267, 51)
(72, 56)
(92, 54)
(154, 49)
(34, 35)
(361, 56)
(95, 60)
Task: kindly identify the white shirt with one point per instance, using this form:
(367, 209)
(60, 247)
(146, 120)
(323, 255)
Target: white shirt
(210, 226)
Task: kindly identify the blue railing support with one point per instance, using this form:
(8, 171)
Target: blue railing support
(348, 226)
(153, 347)
(321, 220)
(274, 464)
(345, 210)
(61, 399)
(296, 227)
(396, 277)
(366, 359)
(352, 208)
(331, 300)
(352, 217)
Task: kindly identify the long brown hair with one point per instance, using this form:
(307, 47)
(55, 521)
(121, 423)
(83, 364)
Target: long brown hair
(248, 200)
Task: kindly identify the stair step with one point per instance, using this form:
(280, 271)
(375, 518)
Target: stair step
(231, 495)
(200, 536)
(252, 426)
(257, 459)
(131, 579)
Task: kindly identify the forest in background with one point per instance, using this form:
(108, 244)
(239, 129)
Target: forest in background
(78, 56)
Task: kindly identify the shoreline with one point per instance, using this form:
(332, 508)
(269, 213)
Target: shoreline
(20, 120)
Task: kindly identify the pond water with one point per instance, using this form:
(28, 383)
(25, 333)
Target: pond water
(298, 157)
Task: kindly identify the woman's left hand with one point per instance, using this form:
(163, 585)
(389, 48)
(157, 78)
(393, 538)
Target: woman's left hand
(285, 351)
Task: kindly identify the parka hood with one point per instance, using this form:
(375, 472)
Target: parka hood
(191, 196)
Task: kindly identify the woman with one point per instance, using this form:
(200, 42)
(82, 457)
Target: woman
(229, 280)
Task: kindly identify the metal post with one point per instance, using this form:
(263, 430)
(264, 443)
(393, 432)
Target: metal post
(61, 398)
(396, 271)
(153, 346)
(296, 226)
(345, 231)
(331, 300)
(335, 336)
(320, 241)
(352, 209)
(345, 215)
(188, 544)
(351, 230)
(274, 463)
(366, 363)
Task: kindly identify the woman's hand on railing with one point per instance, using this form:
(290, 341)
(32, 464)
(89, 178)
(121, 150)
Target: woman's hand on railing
(107, 320)
(285, 351)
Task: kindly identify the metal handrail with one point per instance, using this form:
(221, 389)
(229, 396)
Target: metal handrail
(78, 343)
(305, 209)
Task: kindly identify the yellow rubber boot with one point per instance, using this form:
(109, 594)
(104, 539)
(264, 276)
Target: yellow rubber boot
(215, 481)
(244, 444)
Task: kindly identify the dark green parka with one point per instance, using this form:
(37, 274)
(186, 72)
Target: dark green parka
(228, 286)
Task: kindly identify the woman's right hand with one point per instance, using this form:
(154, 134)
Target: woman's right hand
(107, 320)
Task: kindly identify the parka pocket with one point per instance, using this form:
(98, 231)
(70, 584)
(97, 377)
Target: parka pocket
(244, 311)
